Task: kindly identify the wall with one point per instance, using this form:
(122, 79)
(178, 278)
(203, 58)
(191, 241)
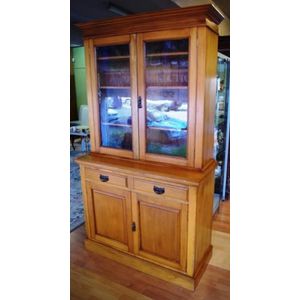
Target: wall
(78, 62)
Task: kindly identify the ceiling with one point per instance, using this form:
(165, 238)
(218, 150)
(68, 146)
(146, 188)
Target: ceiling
(87, 10)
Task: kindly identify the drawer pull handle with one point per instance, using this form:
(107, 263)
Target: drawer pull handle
(158, 190)
(104, 178)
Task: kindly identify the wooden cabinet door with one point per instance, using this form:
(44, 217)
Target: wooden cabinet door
(161, 230)
(167, 92)
(109, 212)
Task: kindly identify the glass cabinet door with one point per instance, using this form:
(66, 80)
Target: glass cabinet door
(114, 93)
(167, 97)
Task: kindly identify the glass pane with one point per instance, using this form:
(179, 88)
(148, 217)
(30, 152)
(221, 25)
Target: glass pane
(167, 97)
(114, 95)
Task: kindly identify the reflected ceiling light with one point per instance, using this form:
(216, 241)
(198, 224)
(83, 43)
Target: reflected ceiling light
(118, 10)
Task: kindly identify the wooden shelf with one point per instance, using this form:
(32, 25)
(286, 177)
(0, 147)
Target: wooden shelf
(113, 57)
(165, 129)
(115, 87)
(167, 54)
(118, 125)
(167, 87)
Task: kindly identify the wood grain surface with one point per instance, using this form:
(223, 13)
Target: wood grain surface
(95, 277)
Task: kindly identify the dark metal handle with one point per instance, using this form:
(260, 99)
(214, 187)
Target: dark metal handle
(158, 190)
(140, 102)
(133, 226)
(103, 178)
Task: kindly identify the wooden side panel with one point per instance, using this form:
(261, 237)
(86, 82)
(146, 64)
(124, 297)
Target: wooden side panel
(210, 96)
(206, 94)
(204, 218)
(85, 202)
(191, 231)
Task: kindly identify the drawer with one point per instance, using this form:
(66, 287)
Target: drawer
(161, 189)
(107, 177)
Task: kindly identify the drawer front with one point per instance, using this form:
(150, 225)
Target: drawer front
(161, 189)
(107, 177)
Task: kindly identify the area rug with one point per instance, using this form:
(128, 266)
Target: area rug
(76, 204)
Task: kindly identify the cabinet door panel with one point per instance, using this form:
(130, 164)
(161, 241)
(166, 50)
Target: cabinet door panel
(110, 216)
(161, 230)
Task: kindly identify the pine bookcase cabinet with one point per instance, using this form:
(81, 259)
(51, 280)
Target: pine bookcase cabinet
(148, 182)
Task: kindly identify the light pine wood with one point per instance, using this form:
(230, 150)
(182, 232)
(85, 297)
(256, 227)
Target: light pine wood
(157, 217)
(85, 203)
(204, 217)
(179, 161)
(192, 96)
(109, 212)
(114, 179)
(153, 212)
(201, 63)
(201, 94)
(90, 99)
(141, 93)
(116, 152)
(94, 107)
(176, 175)
(94, 274)
(134, 95)
(112, 40)
(170, 191)
(206, 93)
(210, 96)
(142, 265)
(190, 34)
(162, 231)
(191, 230)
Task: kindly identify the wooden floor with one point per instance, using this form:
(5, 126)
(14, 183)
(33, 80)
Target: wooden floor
(95, 277)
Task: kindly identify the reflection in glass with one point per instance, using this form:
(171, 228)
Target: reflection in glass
(114, 94)
(167, 97)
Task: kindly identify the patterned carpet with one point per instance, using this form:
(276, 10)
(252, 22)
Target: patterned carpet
(76, 204)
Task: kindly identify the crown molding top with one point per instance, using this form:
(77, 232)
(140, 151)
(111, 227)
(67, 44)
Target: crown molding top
(144, 22)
